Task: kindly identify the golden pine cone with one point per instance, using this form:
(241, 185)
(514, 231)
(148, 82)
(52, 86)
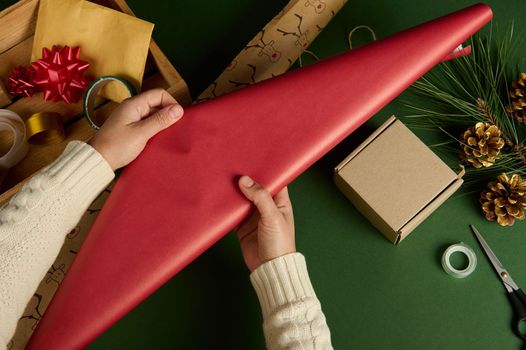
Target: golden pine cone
(504, 199)
(517, 93)
(481, 144)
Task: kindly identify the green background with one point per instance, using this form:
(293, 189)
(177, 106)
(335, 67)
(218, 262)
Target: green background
(374, 295)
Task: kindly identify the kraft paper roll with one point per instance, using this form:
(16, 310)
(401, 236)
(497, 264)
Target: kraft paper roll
(277, 46)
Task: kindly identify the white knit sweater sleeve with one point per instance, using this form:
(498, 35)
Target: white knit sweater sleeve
(34, 223)
(292, 315)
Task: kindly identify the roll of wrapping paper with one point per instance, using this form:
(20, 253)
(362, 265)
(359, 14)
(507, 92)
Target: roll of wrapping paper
(277, 46)
(271, 52)
(12, 123)
(45, 128)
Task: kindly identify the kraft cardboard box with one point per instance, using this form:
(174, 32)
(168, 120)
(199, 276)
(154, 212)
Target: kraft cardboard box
(395, 180)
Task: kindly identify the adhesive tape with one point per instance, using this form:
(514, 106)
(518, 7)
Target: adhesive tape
(467, 251)
(92, 92)
(11, 122)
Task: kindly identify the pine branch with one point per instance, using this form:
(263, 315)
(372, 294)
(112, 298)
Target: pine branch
(459, 93)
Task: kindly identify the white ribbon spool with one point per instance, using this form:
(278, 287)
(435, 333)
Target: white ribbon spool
(468, 252)
(11, 122)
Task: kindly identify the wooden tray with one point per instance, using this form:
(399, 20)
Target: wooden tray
(16, 41)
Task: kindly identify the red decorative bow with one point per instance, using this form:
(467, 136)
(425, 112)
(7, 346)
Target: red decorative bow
(60, 74)
(21, 82)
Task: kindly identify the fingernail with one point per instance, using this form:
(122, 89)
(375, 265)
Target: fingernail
(247, 181)
(175, 112)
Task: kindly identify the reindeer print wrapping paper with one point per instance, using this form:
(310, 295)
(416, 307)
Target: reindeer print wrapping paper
(277, 46)
(49, 285)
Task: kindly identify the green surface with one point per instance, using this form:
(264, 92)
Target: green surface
(375, 295)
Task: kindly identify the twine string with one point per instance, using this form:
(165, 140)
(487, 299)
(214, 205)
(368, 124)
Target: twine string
(349, 40)
(349, 37)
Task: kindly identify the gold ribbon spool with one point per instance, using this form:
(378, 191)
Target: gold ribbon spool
(45, 128)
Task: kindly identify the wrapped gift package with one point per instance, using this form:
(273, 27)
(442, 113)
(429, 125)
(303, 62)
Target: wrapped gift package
(395, 180)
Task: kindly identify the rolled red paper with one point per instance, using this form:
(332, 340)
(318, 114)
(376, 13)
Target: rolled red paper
(180, 196)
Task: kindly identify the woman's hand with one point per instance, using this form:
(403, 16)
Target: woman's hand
(269, 232)
(124, 135)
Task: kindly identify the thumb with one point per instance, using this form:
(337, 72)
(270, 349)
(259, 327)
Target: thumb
(160, 120)
(259, 196)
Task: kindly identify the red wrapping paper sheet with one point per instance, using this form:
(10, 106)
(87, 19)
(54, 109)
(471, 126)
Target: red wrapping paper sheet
(180, 196)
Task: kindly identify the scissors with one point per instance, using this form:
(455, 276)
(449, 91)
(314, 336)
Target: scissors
(515, 294)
